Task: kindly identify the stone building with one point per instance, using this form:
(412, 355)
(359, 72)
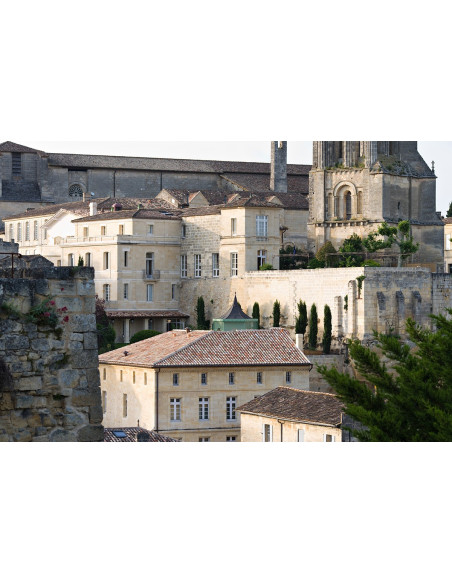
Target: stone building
(289, 414)
(187, 385)
(448, 245)
(355, 186)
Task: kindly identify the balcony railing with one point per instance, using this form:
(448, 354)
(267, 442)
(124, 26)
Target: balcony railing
(155, 275)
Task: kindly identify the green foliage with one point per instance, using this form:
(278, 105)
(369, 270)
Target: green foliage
(256, 313)
(80, 261)
(142, 335)
(9, 310)
(327, 328)
(412, 406)
(266, 267)
(314, 264)
(351, 245)
(321, 255)
(399, 236)
(313, 327)
(360, 280)
(291, 260)
(276, 313)
(371, 264)
(449, 211)
(201, 322)
(301, 321)
(346, 302)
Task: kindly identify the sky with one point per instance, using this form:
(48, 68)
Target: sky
(299, 152)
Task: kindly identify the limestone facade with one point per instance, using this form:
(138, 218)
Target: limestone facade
(253, 430)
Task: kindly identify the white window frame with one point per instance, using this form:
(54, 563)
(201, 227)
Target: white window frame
(233, 226)
(150, 263)
(107, 292)
(27, 230)
(262, 226)
(300, 435)
(204, 439)
(264, 433)
(215, 265)
(203, 408)
(333, 438)
(234, 264)
(261, 257)
(175, 409)
(231, 438)
(35, 231)
(198, 265)
(203, 378)
(183, 266)
(106, 260)
(149, 292)
(231, 403)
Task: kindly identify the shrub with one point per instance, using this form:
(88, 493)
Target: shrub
(201, 323)
(321, 255)
(257, 313)
(276, 313)
(302, 320)
(326, 340)
(313, 327)
(142, 335)
(265, 267)
(315, 263)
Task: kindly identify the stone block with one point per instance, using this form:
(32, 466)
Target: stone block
(76, 337)
(82, 323)
(15, 342)
(61, 435)
(85, 359)
(24, 401)
(91, 434)
(90, 341)
(84, 398)
(75, 347)
(40, 345)
(39, 402)
(29, 383)
(96, 414)
(74, 419)
(23, 435)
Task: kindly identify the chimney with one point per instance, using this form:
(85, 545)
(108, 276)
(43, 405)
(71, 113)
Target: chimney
(93, 208)
(299, 342)
(278, 176)
(84, 197)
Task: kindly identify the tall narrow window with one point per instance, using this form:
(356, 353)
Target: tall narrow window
(230, 408)
(336, 207)
(150, 324)
(233, 226)
(121, 229)
(35, 230)
(288, 377)
(231, 378)
(234, 264)
(27, 231)
(259, 378)
(215, 265)
(175, 378)
(203, 378)
(262, 226)
(184, 231)
(106, 260)
(134, 377)
(121, 376)
(261, 258)
(70, 259)
(126, 259)
(203, 408)
(104, 402)
(88, 259)
(16, 163)
(173, 291)
(145, 379)
(105, 374)
(151, 229)
(267, 433)
(183, 266)
(11, 231)
(107, 292)
(124, 405)
(198, 269)
(348, 205)
(175, 409)
(149, 264)
(19, 231)
(85, 231)
(359, 203)
(300, 436)
(150, 292)
(126, 291)
(103, 230)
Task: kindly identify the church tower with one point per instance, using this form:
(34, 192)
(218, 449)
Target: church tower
(355, 186)
(278, 175)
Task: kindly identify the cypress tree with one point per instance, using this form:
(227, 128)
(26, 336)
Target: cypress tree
(276, 313)
(302, 319)
(313, 327)
(326, 340)
(201, 323)
(257, 314)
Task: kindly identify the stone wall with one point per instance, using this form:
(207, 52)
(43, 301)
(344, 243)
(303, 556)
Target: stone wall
(49, 377)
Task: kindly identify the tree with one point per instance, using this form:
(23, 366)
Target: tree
(201, 323)
(292, 258)
(413, 405)
(350, 250)
(257, 314)
(399, 236)
(449, 211)
(142, 335)
(326, 339)
(313, 327)
(322, 255)
(105, 332)
(301, 321)
(276, 313)
(80, 261)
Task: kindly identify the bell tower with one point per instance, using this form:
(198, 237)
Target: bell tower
(355, 186)
(278, 176)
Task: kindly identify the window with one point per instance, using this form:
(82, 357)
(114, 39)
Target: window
(204, 439)
(104, 402)
(300, 436)
(75, 191)
(151, 229)
(16, 163)
(19, 232)
(203, 378)
(198, 270)
(106, 260)
(35, 230)
(11, 231)
(126, 291)
(231, 378)
(70, 259)
(230, 408)
(359, 203)
(261, 258)
(126, 259)
(259, 377)
(215, 265)
(173, 291)
(288, 376)
(231, 438)
(58, 263)
(121, 229)
(267, 433)
(233, 226)
(183, 266)
(234, 264)
(184, 231)
(103, 230)
(150, 292)
(203, 408)
(27, 231)
(124, 405)
(88, 259)
(328, 438)
(261, 226)
(121, 375)
(105, 374)
(85, 231)
(175, 378)
(107, 292)
(145, 379)
(175, 409)
(149, 264)
(174, 323)
(150, 324)
(134, 377)
(348, 205)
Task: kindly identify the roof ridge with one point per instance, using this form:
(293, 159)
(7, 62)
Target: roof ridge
(184, 347)
(301, 390)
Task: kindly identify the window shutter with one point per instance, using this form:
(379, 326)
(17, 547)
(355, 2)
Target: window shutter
(300, 435)
(271, 433)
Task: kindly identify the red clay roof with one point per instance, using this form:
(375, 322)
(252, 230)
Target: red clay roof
(211, 349)
(298, 405)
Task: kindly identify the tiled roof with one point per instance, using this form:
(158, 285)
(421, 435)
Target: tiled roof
(13, 147)
(131, 435)
(211, 348)
(447, 221)
(298, 184)
(135, 214)
(145, 314)
(298, 405)
(212, 210)
(79, 208)
(251, 200)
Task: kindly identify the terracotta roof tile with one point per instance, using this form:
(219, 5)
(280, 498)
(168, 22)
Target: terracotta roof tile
(298, 405)
(131, 434)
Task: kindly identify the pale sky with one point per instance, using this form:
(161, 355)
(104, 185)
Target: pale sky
(298, 153)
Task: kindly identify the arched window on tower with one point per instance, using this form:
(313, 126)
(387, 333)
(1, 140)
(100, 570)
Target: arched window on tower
(348, 205)
(75, 191)
(336, 207)
(359, 203)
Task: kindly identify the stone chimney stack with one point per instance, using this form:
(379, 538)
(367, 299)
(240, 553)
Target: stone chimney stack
(278, 177)
(93, 208)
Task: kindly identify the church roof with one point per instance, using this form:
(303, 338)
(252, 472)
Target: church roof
(297, 182)
(235, 312)
(13, 147)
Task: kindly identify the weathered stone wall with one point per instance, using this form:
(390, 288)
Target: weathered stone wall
(49, 388)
